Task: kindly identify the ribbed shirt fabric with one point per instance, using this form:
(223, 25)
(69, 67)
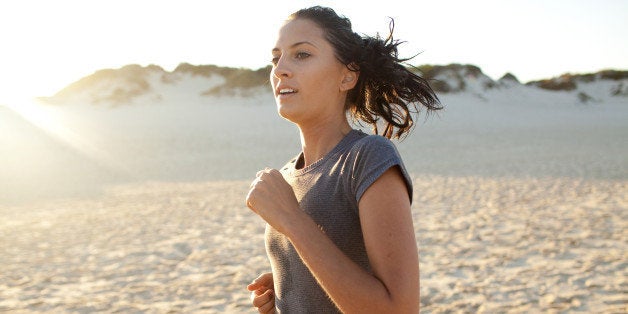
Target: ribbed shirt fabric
(329, 191)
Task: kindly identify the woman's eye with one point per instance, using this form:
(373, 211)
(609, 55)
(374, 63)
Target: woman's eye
(302, 55)
(298, 56)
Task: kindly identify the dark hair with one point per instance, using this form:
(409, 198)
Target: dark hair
(385, 88)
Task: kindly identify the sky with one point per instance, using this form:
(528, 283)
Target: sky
(46, 45)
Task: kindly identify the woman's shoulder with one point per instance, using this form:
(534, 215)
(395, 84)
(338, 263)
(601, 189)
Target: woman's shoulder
(375, 142)
(372, 148)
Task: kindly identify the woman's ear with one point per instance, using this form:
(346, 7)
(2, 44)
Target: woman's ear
(349, 79)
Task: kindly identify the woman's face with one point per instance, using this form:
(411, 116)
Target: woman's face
(307, 78)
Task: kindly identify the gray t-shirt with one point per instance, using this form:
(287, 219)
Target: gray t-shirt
(329, 191)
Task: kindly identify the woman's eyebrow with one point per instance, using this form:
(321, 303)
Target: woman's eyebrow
(295, 45)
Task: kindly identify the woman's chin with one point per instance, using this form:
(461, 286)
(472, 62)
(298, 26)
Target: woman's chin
(287, 112)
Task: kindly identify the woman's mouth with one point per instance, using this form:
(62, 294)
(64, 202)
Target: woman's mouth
(287, 91)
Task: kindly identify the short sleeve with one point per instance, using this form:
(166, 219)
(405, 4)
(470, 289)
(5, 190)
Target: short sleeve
(374, 155)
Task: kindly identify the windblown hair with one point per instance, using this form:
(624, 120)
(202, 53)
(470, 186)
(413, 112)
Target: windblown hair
(386, 89)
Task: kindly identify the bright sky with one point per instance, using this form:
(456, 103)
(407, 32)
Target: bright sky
(46, 45)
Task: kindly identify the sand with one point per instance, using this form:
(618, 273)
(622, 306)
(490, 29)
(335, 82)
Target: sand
(519, 208)
(487, 245)
(154, 247)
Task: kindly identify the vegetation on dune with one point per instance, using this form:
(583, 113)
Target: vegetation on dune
(116, 86)
(120, 86)
(234, 77)
(570, 81)
(509, 77)
(452, 77)
(239, 79)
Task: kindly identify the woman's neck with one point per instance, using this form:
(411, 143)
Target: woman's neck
(318, 140)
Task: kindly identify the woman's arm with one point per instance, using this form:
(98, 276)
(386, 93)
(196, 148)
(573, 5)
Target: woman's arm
(389, 238)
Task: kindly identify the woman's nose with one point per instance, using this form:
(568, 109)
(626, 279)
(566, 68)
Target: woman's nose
(281, 69)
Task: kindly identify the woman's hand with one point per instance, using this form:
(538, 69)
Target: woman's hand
(263, 293)
(273, 199)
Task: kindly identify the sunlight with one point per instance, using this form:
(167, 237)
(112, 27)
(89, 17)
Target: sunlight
(57, 122)
(46, 117)
(43, 117)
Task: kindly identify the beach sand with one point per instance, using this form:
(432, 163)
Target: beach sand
(517, 208)
(487, 245)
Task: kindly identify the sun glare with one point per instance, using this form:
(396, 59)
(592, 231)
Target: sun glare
(57, 122)
(40, 116)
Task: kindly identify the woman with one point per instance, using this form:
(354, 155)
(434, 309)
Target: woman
(339, 230)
